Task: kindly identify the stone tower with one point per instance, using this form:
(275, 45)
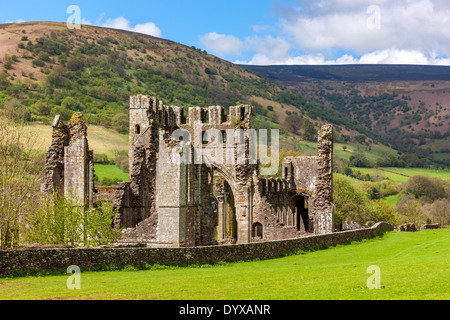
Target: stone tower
(69, 168)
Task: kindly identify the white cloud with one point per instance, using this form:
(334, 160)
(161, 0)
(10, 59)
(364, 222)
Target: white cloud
(308, 59)
(272, 48)
(123, 24)
(374, 31)
(389, 56)
(221, 44)
(261, 28)
(15, 21)
(405, 25)
(148, 28)
(86, 22)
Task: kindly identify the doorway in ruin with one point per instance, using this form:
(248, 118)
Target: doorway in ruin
(301, 213)
(226, 230)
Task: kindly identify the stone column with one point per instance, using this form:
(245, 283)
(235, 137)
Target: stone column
(78, 163)
(323, 204)
(221, 210)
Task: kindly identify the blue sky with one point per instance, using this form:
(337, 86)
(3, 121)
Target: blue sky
(273, 31)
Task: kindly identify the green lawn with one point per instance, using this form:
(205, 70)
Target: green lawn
(412, 266)
(392, 199)
(376, 151)
(110, 171)
(401, 175)
(100, 139)
(433, 173)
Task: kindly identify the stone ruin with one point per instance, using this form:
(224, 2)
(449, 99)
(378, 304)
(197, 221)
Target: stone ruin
(181, 192)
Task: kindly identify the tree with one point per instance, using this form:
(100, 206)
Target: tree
(63, 112)
(70, 103)
(309, 132)
(77, 63)
(4, 81)
(293, 123)
(350, 203)
(384, 212)
(425, 187)
(120, 123)
(410, 210)
(42, 108)
(59, 220)
(17, 183)
(348, 171)
(438, 211)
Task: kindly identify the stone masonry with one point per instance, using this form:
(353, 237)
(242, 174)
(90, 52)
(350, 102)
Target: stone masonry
(194, 180)
(69, 168)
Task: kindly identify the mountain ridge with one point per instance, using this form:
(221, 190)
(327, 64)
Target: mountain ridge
(47, 69)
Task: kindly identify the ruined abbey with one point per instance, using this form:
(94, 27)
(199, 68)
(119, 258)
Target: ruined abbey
(194, 179)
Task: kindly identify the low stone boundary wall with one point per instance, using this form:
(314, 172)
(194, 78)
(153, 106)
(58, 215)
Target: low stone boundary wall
(61, 258)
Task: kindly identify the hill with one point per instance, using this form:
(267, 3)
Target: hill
(354, 73)
(47, 69)
(407, 105)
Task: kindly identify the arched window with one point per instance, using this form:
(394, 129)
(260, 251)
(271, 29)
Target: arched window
(257, 230)
(242, 115)
(205, 137)
(137, 129)
(224, 136)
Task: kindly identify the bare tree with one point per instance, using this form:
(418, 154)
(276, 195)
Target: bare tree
(17, 183)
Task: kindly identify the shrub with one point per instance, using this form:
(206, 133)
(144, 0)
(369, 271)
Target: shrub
(76, 63)
(351, 203)
(38, 63)
(425, 187)
(60, 220)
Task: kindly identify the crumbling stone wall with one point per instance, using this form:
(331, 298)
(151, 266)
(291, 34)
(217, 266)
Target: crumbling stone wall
(184, 191)
(52, 178)
(323, 204)
(69, 168)
(61, 258)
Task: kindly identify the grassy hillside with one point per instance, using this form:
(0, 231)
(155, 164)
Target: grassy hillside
(100, 139)
(412, 266)
(401, 175)
(46, 69)
(407, 106)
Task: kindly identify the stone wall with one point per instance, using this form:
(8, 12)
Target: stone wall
(69, 167)
(61, 258)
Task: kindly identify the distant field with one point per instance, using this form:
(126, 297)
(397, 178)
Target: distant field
(391, 200)
(401, 175)
(100, 139)
(375, 152)
(110, 171)
(375, 171)
(434, 173)
(413, 266)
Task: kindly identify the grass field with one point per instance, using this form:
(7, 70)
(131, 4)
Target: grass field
(401, 175)
(110, 171)
(392, 199)
(100, 139)
(376, 151)
(412, 266)
(434, 173)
